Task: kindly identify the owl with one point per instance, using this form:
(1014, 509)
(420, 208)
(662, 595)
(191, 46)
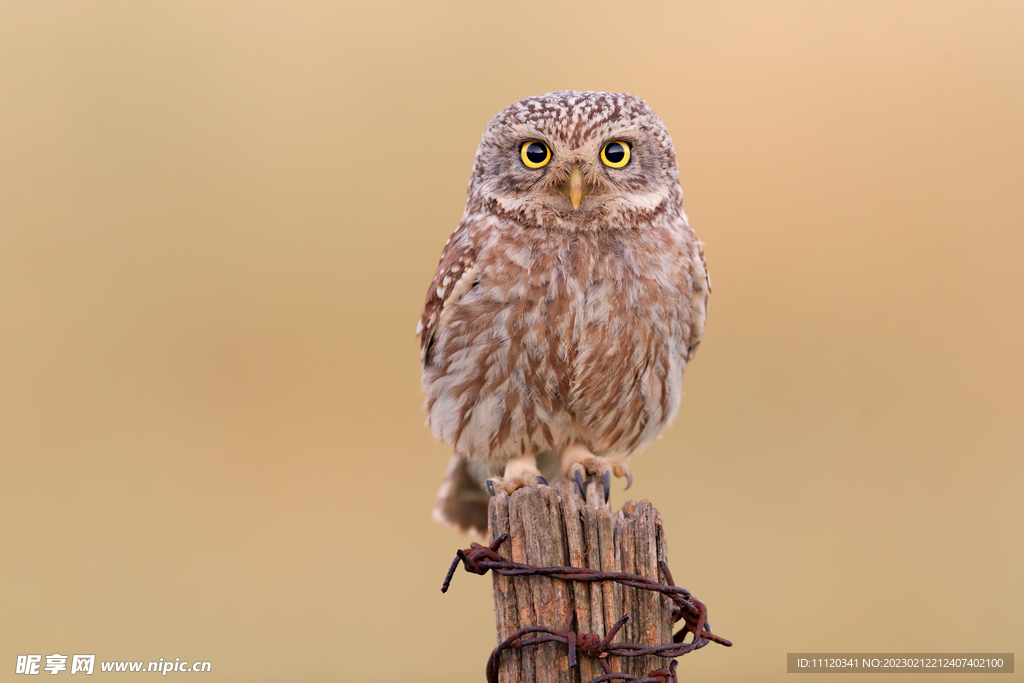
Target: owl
(566, 304)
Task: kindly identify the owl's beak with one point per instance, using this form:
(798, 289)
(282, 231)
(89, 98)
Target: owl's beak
(573, 187)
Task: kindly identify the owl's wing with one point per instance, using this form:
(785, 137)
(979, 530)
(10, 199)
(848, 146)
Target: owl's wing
(456, 274)
(701, 294)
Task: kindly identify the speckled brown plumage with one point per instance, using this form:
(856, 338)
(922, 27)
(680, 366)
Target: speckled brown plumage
(546, 326)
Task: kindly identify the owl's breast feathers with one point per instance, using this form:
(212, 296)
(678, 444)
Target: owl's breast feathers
(532, 339)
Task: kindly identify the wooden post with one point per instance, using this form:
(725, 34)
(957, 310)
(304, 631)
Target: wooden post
(554, 526)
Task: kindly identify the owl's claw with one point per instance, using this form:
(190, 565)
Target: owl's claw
(520, 473)
(578, 462)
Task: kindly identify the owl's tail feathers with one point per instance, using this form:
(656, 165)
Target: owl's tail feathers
(462, 499)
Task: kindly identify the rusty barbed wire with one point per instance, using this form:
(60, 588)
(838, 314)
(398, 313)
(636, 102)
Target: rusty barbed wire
(479, 559)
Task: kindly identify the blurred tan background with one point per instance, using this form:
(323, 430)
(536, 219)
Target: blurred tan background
(217, 225)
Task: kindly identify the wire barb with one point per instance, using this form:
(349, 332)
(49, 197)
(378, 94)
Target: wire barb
(479, 559)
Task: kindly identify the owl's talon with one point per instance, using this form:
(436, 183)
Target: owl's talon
(520, 473)
(621, 469)
(578, 462)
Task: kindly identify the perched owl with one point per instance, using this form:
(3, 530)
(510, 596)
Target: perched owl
(566, 304)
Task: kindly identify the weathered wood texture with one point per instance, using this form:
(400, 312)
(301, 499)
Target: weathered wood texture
(553, 525)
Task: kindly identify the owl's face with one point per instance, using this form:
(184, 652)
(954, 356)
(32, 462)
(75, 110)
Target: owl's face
(576, 161)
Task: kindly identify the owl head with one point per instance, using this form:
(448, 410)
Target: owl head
(576, 161)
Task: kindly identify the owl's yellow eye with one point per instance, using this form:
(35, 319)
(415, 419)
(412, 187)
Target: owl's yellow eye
(535, 154)
(615, 154)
